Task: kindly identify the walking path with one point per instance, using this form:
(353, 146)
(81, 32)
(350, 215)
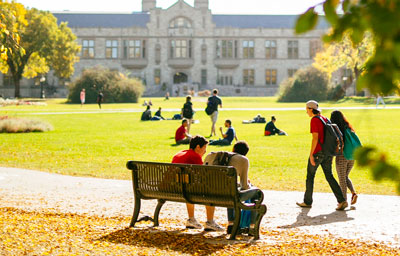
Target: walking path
(375, 218)
(131, 110)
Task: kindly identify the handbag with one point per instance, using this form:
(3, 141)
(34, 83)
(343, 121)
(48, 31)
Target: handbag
(351, 143)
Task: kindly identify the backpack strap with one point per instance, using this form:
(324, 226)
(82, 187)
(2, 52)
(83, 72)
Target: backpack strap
(223, 158)
(324, 123)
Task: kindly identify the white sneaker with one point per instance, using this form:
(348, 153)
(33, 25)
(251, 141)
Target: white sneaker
(192, 223)
(213, 226)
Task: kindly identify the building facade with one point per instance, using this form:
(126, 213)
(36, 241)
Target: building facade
(187, 47)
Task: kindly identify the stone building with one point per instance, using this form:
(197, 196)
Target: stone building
(187, 47)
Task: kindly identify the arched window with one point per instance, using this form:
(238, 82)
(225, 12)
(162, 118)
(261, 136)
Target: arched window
(180, 22)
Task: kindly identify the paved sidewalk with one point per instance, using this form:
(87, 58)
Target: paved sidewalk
(376, 218)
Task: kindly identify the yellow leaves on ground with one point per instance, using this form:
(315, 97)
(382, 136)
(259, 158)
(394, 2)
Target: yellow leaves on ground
(39, 233)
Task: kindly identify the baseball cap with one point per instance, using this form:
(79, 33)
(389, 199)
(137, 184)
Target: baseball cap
(313, 105)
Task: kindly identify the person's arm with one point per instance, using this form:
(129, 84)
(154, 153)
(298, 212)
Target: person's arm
(244, 182)
(236, 137)
(314, 143)
(222, 133)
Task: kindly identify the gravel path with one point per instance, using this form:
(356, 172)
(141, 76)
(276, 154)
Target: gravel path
(375, 218)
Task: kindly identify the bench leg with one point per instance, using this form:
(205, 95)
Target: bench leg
(236, 224)
(261, 212)
(135, 212)
(157, 211)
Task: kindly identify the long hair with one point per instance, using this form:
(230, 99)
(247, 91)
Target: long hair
(340, 120)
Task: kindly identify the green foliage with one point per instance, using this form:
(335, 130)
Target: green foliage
(45, 46)
(307, 21)
(336, 93)
(115, 86)
(308, 83)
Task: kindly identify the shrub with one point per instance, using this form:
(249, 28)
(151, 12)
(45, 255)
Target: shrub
(116, 87)
(308, 83)
(336, 93)
(16, 125)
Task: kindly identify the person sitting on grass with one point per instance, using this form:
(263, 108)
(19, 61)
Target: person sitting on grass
(241, 163)
(197, 149)
(146, 115)
(158, 114)
(228, 136)
(270, 128)
(181, 135)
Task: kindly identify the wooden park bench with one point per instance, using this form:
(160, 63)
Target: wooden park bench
(195, 184)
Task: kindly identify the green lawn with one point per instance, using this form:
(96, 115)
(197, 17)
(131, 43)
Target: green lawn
(99, 144)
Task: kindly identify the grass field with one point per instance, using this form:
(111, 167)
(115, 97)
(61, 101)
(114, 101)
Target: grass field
(91, 142)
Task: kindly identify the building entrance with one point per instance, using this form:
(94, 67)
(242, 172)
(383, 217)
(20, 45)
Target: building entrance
(180, 78)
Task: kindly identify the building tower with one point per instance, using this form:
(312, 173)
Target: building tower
(147, 5)
(201, 4)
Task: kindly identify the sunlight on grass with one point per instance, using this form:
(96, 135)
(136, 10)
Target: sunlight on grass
(99, 144)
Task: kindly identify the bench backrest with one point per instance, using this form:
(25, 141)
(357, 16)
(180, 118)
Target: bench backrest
(197, 184)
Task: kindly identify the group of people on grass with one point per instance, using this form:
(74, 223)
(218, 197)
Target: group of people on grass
(99, 100)
(198, 147)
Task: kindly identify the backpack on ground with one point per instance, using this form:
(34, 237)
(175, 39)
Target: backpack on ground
(210, 107)
(333, 139)
(187, 110)
(351, 143)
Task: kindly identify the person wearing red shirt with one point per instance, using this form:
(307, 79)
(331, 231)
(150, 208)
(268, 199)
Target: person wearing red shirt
(317, 157)
(197, 149)
(181, 135)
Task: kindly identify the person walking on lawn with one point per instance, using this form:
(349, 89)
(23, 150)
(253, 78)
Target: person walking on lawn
(343, 165)
(317, 157)
(197, 149)
(213, 102)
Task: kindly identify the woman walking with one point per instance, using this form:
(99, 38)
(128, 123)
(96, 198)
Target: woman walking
(344, 166)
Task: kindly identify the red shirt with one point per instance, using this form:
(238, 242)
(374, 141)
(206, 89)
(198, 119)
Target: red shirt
(187, 157)
(180, 133)
(318, 127)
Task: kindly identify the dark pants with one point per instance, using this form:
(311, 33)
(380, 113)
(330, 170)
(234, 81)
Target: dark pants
(222, 142)
(326, 164)
(253, 196)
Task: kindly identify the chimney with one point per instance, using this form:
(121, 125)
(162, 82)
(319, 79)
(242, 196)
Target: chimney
(147, 5)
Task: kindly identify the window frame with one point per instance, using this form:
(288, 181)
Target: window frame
(112, 49)
(86, 49)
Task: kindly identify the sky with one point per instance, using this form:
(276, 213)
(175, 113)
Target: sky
(216, 6)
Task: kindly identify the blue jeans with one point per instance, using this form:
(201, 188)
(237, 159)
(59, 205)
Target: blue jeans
(326, 164)
(222, 142)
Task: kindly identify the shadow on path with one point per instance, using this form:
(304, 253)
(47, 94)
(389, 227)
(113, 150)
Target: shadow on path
(304, 220)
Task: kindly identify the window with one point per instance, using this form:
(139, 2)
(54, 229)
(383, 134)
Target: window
(225, 80)
(88, 49)
(180, 22)
(181, 49)
(134, 49)
(270, 49)
(248, 49)
(157, 76)
(7, 80)
(315, 46)
(270, 76)
(226, 49)
(291, 72)
(204, 76)
(248, 76)
(293, 49)
(111, 49)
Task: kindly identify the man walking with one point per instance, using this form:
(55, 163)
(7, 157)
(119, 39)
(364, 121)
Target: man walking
(212, 103)
(197, 149)
(317, 157)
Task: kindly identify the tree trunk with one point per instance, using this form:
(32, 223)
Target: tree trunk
(17, 88)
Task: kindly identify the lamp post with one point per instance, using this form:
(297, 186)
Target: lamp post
(42, 80)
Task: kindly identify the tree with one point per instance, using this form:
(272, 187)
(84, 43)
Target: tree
(381, 74)
(342, 54)
(46, 45)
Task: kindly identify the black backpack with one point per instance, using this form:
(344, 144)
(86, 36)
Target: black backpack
(223, 158)
(210, 107)
(333, 139)
(187, 110)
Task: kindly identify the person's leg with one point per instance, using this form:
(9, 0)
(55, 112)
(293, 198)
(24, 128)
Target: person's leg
(189, 123)
(311, 170)
(214, 118)
(326, 165)
(190, 210)
(210, 212)
(349, 167)
(341, 166)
